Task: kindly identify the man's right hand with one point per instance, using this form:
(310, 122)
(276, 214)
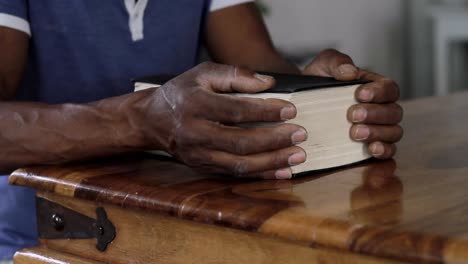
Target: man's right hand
(193, 118)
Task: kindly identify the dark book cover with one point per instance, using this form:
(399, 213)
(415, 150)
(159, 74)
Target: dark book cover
(285, 83)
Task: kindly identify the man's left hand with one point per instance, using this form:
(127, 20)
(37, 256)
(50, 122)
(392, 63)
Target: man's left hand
(377, 115)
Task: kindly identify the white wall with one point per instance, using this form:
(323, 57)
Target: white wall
(368, 30)
(421, 49)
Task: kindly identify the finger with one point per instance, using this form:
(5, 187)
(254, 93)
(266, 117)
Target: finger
(377, 114)
(227, 79)
(280, 174)
(230, 109)
(372, 133)
(243, 166)
(381, 90)
(382, 150)
(332, 63)
(243, 141)
(371, 76)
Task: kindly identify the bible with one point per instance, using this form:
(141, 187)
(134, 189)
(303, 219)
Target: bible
(322, 104)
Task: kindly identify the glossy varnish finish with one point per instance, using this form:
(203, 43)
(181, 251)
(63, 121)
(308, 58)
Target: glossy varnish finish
(413, 209)
(40, 255)
(145, 237)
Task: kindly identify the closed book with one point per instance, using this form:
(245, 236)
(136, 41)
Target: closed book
(322, 104)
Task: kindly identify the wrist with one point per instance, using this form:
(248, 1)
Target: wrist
(147, 121)
(119, 120)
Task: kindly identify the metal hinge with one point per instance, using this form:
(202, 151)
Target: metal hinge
(57, 222)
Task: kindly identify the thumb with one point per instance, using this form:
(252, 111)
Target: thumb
(332, 63)
(227, 79)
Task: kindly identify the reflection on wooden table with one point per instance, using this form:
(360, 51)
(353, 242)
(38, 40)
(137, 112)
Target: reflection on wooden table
(413, 208)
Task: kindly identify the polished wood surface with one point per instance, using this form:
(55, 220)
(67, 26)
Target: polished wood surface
(144, 237)
(414, 208)
(42, 255)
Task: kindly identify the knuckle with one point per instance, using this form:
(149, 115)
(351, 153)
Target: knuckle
(329, 51)
(206, 65)
(187, 134)
(394, 85)
(336, 54)
(236, 116)
(392, 88)
(194, 158)
(222, 69)
(388, 82)
(240, 167)
(196, 99)
(242, 71)
(205, 71)
(265, 113)
(241, 146)
(346, 57)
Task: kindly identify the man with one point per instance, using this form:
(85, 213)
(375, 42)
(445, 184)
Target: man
(65, 71)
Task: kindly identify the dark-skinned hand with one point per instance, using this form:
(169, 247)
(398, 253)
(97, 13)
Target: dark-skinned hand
(377, 115)
(193, 116)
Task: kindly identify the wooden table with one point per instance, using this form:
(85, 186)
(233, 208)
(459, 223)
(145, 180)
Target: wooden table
(411, 209)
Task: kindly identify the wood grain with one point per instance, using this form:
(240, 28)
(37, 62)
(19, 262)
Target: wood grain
(42, 255)
(412, 209)
(145, 237)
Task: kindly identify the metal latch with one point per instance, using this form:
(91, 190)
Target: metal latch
(57, 222)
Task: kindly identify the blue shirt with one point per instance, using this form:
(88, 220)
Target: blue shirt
(86, 50)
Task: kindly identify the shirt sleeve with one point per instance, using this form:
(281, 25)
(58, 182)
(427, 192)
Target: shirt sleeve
(14, 14)
(220, 4)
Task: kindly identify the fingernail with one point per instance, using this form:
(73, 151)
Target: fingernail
(378, 149)
(347, 69)
(366, 95)
(288, 112)
(359, 115)
(297, 158)
(361, 133)
(283, 174)
(263, 78)
(299, 136)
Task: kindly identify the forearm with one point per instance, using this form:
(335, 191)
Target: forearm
(35, 133)
(268, 61)
(238, 36)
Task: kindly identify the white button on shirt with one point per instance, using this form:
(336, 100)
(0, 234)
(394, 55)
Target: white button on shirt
(136, 12)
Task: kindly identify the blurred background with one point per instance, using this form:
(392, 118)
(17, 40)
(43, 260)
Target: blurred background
(422, 44)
